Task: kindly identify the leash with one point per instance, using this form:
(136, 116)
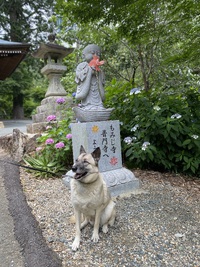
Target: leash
(27, 167)
(32, 168)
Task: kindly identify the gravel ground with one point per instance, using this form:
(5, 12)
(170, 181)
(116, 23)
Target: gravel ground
(160, 226)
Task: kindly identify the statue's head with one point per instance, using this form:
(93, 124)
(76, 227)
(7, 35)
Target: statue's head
(91, 50)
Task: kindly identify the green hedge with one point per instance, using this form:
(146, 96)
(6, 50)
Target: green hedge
(159, 130)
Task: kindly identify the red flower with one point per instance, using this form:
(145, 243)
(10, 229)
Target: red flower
(96, 63)
(113, 161)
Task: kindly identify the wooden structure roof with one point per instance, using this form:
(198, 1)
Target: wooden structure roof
(11, 54)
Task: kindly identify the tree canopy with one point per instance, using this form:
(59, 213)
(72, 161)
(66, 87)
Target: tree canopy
(141, 21)
(22, 21)
(161, 36)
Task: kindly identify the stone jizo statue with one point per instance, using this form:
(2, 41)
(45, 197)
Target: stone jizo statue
(90, 81)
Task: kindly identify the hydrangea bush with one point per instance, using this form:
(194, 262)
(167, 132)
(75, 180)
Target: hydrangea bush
(159, 130)
(54, 151)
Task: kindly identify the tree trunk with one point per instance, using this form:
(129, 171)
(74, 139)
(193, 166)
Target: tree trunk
(18, 98)
(141, 59)
(133, 76)
(18, 110)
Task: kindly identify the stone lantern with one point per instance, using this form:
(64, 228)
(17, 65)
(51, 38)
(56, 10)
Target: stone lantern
(52, 54)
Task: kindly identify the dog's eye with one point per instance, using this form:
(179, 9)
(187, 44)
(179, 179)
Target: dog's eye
(86, 162)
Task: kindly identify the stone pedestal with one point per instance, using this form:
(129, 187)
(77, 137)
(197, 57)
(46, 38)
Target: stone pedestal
(54, 72)
(106, 135)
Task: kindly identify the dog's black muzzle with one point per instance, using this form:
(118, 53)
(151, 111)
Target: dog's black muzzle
(74, 168)
(79, 171)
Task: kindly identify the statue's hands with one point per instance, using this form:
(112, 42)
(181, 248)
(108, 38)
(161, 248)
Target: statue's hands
(93, 70)
(96, 63)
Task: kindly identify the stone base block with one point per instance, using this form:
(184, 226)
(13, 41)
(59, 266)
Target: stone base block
(36, 127)
(50, 107)
(119, 181)
(37, 118)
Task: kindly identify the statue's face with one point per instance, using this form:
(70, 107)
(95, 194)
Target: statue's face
(88, 56)
(88, 53)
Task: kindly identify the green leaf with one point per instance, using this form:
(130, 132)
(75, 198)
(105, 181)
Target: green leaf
(193, 169)
(185, 159)
(158, 121)
(169, 128)
(173, 135)
(129, 152)
(150, 155)
(197, 143)
(186, 142)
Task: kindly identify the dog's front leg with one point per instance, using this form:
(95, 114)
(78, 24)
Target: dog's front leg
(77, 239)
(95, 235)
(85, 222)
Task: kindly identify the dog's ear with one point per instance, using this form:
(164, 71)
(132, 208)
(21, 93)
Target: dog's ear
(96, 154)
(82, 150)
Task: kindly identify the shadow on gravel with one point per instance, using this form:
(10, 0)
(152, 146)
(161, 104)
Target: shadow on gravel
(27, 232)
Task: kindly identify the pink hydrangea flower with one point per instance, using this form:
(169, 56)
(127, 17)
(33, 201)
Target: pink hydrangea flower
(59, 145)
(69, 136)
(51, 118)
(49, 141)
(60, 100)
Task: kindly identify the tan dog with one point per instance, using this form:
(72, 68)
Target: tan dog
(90, 196)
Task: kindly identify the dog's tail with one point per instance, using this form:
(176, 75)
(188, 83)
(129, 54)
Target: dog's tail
(72, 219)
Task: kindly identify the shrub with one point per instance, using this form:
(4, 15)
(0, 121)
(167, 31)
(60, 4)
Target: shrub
(160, 130)
(54, 151)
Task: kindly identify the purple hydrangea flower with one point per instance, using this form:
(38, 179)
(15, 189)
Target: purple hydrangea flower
(176, 116)
(60, 100)
(51, 118)
(49, 141)
(74, 94)
(128, 140)
(59, 145)
(69, 136)
(145, 145)
(135, 128)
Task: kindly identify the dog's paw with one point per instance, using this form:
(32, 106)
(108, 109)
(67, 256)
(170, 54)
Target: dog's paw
(75, 244)
(95, 237)
(105, 228)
